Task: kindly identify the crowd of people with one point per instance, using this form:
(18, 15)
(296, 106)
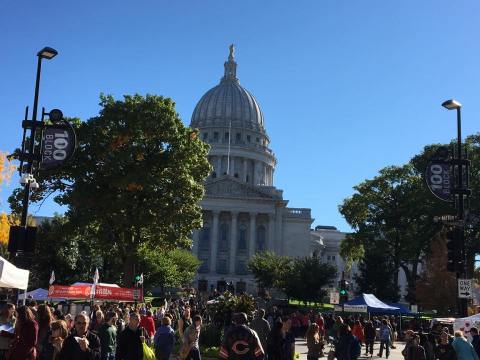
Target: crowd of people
(121, 332)
(38, 332)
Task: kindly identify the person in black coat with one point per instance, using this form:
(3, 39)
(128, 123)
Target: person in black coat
(445, 350)
(81, 344)
(130, 341)
(370, 335)
(276, 342)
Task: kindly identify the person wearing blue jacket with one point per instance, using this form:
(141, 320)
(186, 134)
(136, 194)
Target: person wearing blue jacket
(463, 348)
(164, 339)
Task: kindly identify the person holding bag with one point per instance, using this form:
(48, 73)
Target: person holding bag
(190, 349)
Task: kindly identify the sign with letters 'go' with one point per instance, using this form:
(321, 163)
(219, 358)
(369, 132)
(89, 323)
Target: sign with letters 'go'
(58, 145)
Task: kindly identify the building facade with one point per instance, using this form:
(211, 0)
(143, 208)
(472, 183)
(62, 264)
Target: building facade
(243, 212)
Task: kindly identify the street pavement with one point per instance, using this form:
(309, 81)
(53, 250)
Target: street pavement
(395, 354)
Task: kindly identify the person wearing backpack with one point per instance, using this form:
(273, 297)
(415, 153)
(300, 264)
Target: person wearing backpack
(385, 335)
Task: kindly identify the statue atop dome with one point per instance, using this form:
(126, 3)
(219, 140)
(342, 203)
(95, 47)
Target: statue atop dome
(230, 66)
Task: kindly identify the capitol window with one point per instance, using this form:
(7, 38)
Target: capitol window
(223, 240)
(204, 268)
(227, 136)
(248, 138)
(238, 137)
(205, 136)
(221, 266)
(261, 244)
(204, 243)
(215, 136)
(242, 238)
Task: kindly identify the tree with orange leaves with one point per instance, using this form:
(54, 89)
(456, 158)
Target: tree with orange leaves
(6, 171)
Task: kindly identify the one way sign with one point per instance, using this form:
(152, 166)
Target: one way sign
(465, 288)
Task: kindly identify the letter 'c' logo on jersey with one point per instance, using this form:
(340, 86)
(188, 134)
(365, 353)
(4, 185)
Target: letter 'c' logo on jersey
(240, 347)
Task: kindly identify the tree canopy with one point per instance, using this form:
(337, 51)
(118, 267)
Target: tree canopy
(392, 216)
(136, 178)
(299, 278)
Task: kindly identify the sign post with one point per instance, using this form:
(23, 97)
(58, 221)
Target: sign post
(465, 289)
(334, 297)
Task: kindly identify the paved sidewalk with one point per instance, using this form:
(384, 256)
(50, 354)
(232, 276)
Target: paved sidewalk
(395, 354)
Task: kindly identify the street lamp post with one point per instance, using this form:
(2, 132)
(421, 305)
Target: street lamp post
(460, 192)
(46, 53)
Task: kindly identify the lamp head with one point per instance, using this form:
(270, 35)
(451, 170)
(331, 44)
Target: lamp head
(47, 53)
(451, 104)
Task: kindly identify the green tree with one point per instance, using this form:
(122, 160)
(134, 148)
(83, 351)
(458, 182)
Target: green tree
(171, 268)
(376, 273)
(71, 254)
(307, 278)
(393, 212)
(136, 178)
(270, 269)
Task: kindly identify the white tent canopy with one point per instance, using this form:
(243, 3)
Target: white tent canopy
(11, 276)
(90, 284)
(465, 324)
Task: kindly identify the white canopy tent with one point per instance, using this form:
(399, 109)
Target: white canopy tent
(90, 284)
(13, 277)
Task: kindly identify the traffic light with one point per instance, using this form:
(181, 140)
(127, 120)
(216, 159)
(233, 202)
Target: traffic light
(454, 258)
(343, 291)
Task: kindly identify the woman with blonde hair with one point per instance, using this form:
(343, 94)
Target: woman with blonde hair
(314, 342)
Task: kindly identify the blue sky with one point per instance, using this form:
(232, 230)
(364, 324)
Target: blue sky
(346, 87)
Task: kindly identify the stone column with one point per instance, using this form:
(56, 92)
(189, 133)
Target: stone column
(253, 231)
(245, 173)
(195, 238)
(264, 174)
(271, 232)
(214, 242)
(255, 172)
(219, 166)
(233, 242)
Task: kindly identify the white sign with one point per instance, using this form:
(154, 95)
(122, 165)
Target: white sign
(334, 297)
(414, 308)
(465, 289)
(351, 308)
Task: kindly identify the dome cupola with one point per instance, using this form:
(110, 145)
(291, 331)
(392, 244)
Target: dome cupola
(228, 104)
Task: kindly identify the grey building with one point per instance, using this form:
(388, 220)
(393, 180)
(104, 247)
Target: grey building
(243, 212)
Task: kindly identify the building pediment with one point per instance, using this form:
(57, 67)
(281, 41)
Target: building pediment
(232, 188)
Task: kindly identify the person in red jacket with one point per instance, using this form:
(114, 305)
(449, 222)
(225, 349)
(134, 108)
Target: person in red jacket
(358, 331)
(26, 332)
(148, 324)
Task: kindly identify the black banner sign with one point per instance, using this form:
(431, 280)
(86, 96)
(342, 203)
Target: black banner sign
(438, 178)
(58, 145)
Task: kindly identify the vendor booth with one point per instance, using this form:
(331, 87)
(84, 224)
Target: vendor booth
(368, 303)
(466, 323)
(13, 277)
(37, 295)
(87, 292)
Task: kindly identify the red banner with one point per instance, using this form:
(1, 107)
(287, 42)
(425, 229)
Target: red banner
(101, 293)
(118, 294)
(69, 292)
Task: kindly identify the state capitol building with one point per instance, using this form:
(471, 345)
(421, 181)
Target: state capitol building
(243, 212)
